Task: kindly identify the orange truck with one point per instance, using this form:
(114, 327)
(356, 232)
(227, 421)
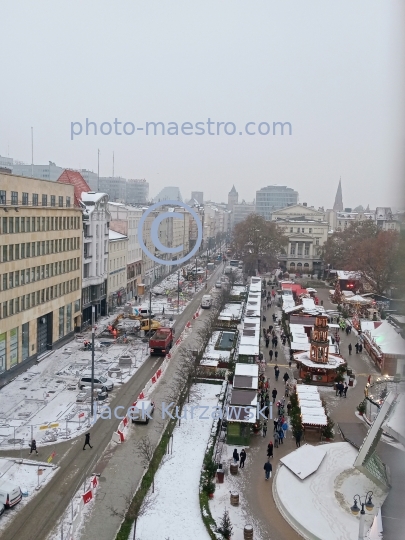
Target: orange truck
(161, 342)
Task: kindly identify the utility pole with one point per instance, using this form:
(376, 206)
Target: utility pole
(93, 322)
(32, 152)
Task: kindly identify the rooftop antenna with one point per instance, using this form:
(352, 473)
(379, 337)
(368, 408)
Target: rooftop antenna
(98, 170)
(32, 152)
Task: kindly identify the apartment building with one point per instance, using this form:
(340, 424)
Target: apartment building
(307, 231)
(117, 269)
(40, 269)
(125, 220)
(272, 198)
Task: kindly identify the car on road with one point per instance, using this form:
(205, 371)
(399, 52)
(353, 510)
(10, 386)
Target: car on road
(99, 382)
(218, 285)
(140, 411)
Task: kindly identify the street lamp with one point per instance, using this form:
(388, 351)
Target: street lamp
(355, 509)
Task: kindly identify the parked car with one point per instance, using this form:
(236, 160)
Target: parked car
(140, 411)
(10, 495)
(206, 301)
(99, 382)
(218, 284)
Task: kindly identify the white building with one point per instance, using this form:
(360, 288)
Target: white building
(96, 220)
(382, 217)
(307, 231)
(117, 269)
(241, 211)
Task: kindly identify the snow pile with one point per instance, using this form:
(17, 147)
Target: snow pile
(176, 512)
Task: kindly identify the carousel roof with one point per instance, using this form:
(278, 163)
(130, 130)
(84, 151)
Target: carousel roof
(334, 361)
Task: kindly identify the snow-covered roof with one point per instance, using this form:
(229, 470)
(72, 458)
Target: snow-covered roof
(315, 419)
(305, 460)
(248, 350)
(292, 308)
(395, 425)
(234, 311)
(387, 339)
(334, 361)
(251, 370)
(113, 235)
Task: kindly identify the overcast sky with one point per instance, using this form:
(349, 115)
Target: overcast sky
(334, 70)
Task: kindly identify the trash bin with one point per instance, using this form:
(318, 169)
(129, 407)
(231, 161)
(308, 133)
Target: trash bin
(220, 476)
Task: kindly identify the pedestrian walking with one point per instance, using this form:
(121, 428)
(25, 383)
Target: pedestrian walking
(235, 456)
(275, 355)
(274, 395)
(341, 388)
(276, 439)
(357, 348)
(267, 412)
(286, 377)
(271, 354)
(345, 390)
(33, 447)
(360, 348)
(281, 435)
(163, 310)
(275, 342)
(350, 348)
(270, 449)
(264, 429)
(277, 373)
(275, 422)
(289, 408)
(268, 468)
(297, 436)
(87, 441)
(242, 459)
(267, 342)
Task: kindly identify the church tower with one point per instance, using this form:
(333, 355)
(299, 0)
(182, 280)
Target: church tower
(232, 198)
(338, 205)
(319, 352)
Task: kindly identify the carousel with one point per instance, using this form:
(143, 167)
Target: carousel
(319, 366)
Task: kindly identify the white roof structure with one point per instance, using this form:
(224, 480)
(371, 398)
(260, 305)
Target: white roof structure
(395, 425)
(307, 389)
(314, 403)
(113, 235)
(248, 370)
(346, 294)
(334, 361)
(387, 339)
(292, 309)
(308, 303)
(305, 460)
(357, 299)
(231, 311)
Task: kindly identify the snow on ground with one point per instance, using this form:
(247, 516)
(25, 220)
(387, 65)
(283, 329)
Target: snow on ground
(176, 514)
(25, 475)
(239, 515)
(45, 395)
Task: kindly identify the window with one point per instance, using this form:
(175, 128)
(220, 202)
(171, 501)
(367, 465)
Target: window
(61, 322)
(5, 225)
(298, 229)
(14, 197)
(11, 252)
(22, 251)
(17, 278)
(24, 198)
(11, 280)
(10, 225)
(11, 307)
(34, 200)
(53, 200)
(292, 249)
(2, 196)
(5, 282)
(17, 252)
(22, 220)
(17, 225)
(310, 230)
(43, 224)
(22, 277)
(68, 318)
(25, 330)
(44, 200)
(67, 202)
(5, 312)
(60, 201)
(38, 224)
(317, 241)
(28, 225)
(27, 275)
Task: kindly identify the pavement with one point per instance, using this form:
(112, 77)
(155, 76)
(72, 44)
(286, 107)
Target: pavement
(121, 472)
(259, 491)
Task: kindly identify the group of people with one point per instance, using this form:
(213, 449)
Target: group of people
(239, 457)
(341, 389)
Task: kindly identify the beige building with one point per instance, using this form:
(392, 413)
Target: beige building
(117, 269)
(307, 231)
(40, 269)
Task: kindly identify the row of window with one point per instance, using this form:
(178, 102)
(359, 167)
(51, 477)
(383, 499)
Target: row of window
(28, 301)
(15, 252)
(15, 200)
(36, 273)
(10, 225)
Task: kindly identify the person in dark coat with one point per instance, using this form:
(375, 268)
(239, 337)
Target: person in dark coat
(276, 373)
(271, 354)
(268, 468)
(235, 456)
(264, 429)
(341, 388)
(33, 447)
(345, 390)
(298, 439)
(267, 342)
(286, 377)
(350, 348)
(289, 408)
(360, 348)
(87, 441)
(357, 348)
(274, 395)
(270, 449)
(275, 355)
(275, 422)
(267, 412)
(242, 459)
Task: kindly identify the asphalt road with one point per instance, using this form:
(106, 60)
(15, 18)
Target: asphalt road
(36, 520)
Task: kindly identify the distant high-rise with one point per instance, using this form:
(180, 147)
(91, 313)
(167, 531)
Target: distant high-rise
(137, 191)
(42, 172)
(272, 198)
(233, 197)
(168, 193)
(338, 204)
(198, 196)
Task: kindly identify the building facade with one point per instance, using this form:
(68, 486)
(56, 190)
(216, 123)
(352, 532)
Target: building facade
(96, 222)
(241, 211)
(117, 269)
(198, 196)
(125, 220)
(271, 198)
(137, 191)
(40, 268)
(169, 193)
(307, 231)
(232, 198)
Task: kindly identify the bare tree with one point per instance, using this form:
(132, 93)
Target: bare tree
(136, 508)
(146, 450)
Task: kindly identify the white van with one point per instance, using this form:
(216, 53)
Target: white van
(228, 270)
(10, 495)
(206, 301)
(141, 411)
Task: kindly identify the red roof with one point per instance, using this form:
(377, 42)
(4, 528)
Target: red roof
(294, 287)
(77, 180)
